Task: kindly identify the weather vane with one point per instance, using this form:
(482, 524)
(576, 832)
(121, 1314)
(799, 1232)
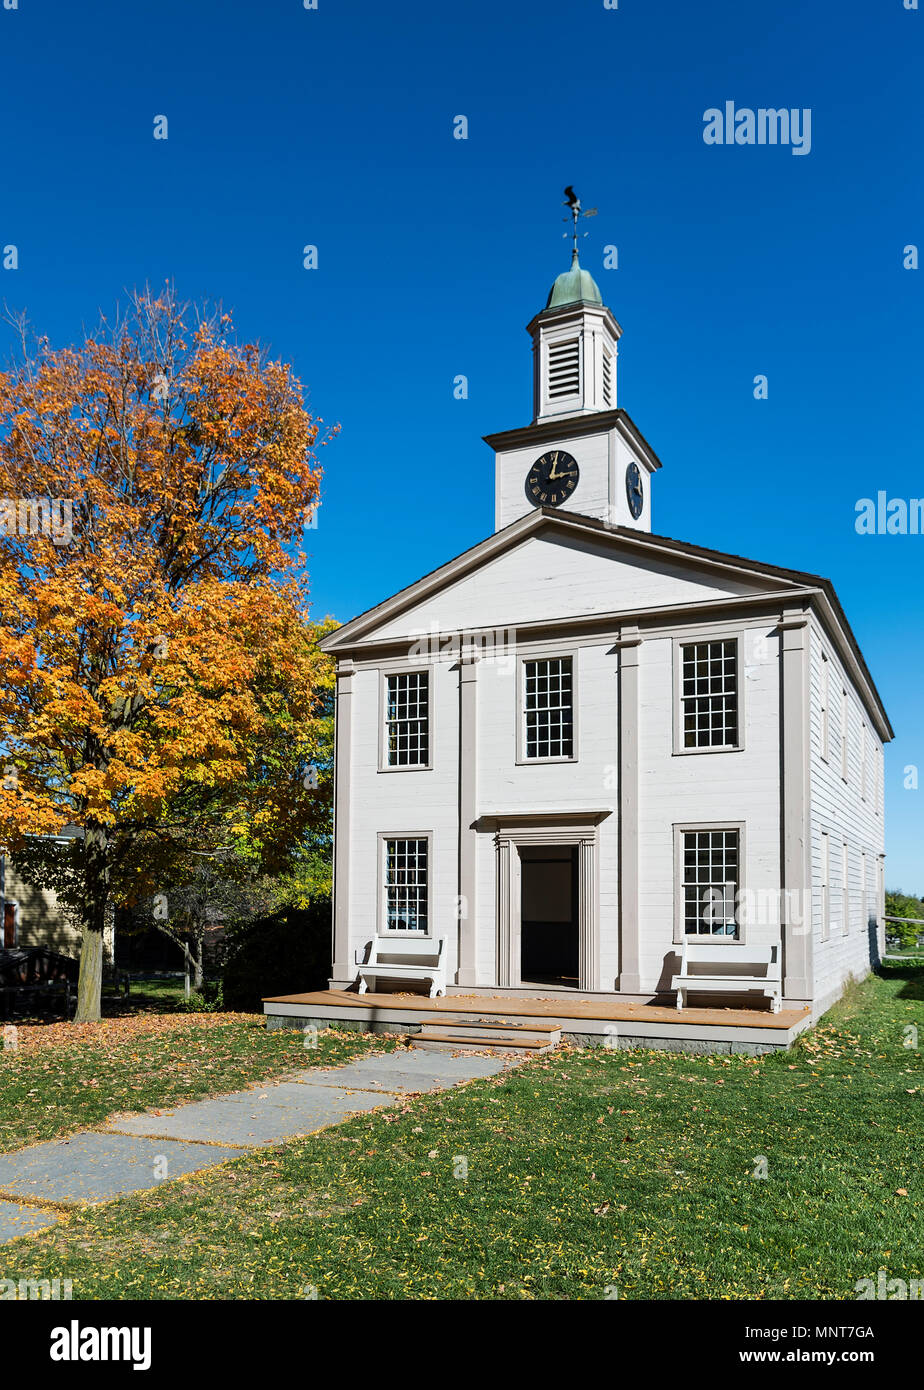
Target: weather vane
(573, 202)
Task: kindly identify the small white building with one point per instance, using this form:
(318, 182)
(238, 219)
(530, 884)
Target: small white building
(581, 744)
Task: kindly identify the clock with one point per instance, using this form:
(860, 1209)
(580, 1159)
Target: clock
(552, 479)
(634, 492)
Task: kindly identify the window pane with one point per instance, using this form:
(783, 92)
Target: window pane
(709, 686)
(407, 733)
(548, 709)
(710, 882)
(406, 885)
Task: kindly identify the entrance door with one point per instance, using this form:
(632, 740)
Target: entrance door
(549, 936)
(9, 926)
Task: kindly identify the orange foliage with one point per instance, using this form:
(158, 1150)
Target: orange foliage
(136, 654)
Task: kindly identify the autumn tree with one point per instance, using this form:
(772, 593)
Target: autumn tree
(270, 844)
(212, 889)
(154, 643)
(298, 872)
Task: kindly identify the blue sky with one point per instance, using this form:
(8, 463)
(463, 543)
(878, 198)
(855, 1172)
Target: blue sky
(333, 127)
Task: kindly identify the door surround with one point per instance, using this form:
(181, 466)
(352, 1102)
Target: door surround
(518, 828)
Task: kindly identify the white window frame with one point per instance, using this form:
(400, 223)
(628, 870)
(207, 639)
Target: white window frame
(682, 828)
(864, 891)
(384, 675)
(864, 762)
(825, 885)
(569, 654)
(845, 730)
(694, 640)
(382, 927)
(845, 888)
(825, 696)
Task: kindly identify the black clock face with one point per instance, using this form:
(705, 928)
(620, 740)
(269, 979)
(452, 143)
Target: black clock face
(634, 490)
(552, 479)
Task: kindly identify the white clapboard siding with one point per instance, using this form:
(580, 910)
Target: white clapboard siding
(405, 801)
(740, 786)
(839, 809)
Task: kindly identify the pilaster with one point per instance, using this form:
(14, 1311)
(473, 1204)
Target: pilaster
(629, 644)
(343, 969)
(795, 805)
(468, 811)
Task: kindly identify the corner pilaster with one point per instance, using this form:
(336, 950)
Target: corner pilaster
(795, 805)
(342, 970)
(468, 811)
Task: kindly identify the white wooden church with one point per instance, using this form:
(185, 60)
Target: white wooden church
(587, 764)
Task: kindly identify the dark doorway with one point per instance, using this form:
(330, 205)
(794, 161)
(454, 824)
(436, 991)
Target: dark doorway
(549, 952)
(9, 926)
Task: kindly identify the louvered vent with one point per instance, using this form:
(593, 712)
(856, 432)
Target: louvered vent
(564, 369)
(607, 379)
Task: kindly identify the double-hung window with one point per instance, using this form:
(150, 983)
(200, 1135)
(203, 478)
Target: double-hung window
(406, 865)
(710, 880)
(407, 719)
(548, 709)
(825, 868)
(709, 694)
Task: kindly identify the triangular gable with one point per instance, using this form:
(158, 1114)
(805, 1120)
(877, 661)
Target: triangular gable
(544, 567)
(556, 576)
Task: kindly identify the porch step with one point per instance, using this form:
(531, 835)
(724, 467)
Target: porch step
(440, 1034)
(438, 1043)
(461, 1025)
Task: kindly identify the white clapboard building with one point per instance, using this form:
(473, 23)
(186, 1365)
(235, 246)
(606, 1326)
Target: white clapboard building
(585, 761)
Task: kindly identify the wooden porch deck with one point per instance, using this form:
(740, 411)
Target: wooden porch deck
(586, 1021)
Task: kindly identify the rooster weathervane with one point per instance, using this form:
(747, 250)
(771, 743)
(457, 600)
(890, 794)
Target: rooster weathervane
(573, 202)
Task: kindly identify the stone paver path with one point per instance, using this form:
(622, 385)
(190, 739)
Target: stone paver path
(130, 1153)
(16, 1220)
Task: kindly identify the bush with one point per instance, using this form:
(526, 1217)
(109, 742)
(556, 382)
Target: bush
(288, 952)
(903, 905)
(208, 1000)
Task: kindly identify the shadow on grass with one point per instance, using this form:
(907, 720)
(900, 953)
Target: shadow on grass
(912, 975)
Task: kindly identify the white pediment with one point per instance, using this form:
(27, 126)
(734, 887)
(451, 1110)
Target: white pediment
(556, 573)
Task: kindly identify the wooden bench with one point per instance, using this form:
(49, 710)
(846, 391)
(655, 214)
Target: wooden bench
(700, 970)
(407, 958)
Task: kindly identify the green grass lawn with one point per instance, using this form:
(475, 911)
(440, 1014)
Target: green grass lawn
(587, 1172)
(62, 1078)
(163, 993)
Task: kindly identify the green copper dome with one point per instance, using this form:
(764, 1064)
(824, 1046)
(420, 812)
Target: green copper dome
(574, 285)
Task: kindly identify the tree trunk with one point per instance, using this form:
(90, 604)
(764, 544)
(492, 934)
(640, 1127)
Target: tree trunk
(96, 899)
(198, 956)
(90, 982)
